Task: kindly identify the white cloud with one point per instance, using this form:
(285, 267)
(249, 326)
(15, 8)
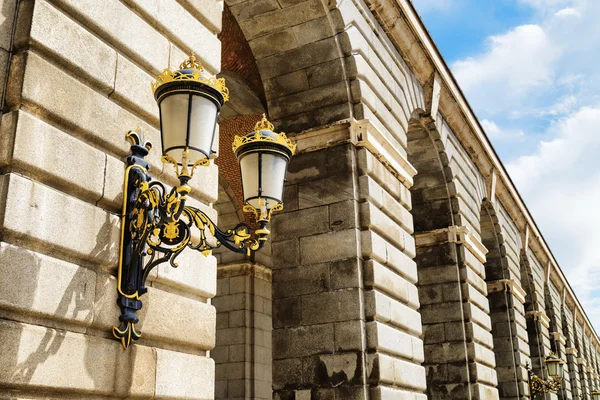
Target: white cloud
(560, 183)
(516, 63)
(493, 131)
(568, 12)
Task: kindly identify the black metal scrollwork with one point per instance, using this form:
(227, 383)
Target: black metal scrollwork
(156, 226)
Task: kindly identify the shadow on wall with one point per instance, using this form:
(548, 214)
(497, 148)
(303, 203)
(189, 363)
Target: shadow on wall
(26, 349)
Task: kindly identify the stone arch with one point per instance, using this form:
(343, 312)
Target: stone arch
(506, 308)
(451, 284)
(299, 51)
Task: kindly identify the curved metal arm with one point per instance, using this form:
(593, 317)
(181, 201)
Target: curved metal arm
(539, 385)
(156, 226)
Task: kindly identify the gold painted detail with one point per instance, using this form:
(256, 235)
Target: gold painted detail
(126, 333)
(136, 137)
(262, 214)
(184, 169)
(264, 124)
(198, 74)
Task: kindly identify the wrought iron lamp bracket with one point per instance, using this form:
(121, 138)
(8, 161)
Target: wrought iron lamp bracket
(538, 385)
(156, 226)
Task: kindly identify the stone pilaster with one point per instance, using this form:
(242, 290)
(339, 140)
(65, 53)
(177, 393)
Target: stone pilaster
(455, 311)
(510, 337)
(243, 352)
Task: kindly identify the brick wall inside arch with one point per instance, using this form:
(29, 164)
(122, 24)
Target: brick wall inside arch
(236, 55)
(227, 162)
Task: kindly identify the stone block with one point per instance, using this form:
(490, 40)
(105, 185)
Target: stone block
(196, 274)
(302, 280)
(345, 274)
(302, 341)
(7, 13)
(208, 12)
(392, 341)
(385, 280)
(326, 307)
(349, 335)
(369, 165)
(40, 286)
(287, 84)
(386, 369)
(87, 113)
(343, 215)
(112, 194)
(325, 191)
(385, 309)
(165, 317)
(131, 88)
(34, 358)
(181, 27)
(122, 27)
(286, 371)
(307, 222)
(82, 52)
(287, 312)
(170, 318)
(273, 43)
(184, 376)
(64, 224)
(39, 149)
(286, 253)
(311, 99)
(329, 246)
(278, 19)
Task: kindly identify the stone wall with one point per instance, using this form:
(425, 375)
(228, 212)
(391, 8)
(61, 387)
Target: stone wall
(79, 79)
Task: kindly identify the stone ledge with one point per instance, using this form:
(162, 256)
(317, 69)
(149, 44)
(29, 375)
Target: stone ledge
(559, 337)
(453, 234)
(581, 361)
(244, 269)
(572, 351)
(509, 285)
(539, 316)
(362, 134)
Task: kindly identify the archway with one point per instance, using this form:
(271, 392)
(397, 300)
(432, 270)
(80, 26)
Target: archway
(450, 257)
(506, 299)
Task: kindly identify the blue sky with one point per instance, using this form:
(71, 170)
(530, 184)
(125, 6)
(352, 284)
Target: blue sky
(531, 71)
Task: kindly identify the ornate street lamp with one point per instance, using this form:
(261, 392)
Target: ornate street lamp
(555, 369)
(156, 224)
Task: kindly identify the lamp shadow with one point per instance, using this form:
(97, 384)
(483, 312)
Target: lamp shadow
(74, 312)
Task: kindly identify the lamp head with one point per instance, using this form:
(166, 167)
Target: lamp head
(263, 155)
(189, 101)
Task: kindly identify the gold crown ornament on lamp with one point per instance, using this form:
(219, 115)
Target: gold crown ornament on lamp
(156, 224)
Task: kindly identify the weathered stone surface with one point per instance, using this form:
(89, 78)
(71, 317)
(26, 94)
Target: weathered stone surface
(35, 357)
(36, 285)
(176, 23)
(329, 246)
(85, 54)
(90, 115)
(122, 27)
(64, 224)
(39, 148)
(303, 341)
(184, 376)
(131, 87)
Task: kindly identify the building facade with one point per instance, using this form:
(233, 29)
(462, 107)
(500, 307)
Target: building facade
(404, 265)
